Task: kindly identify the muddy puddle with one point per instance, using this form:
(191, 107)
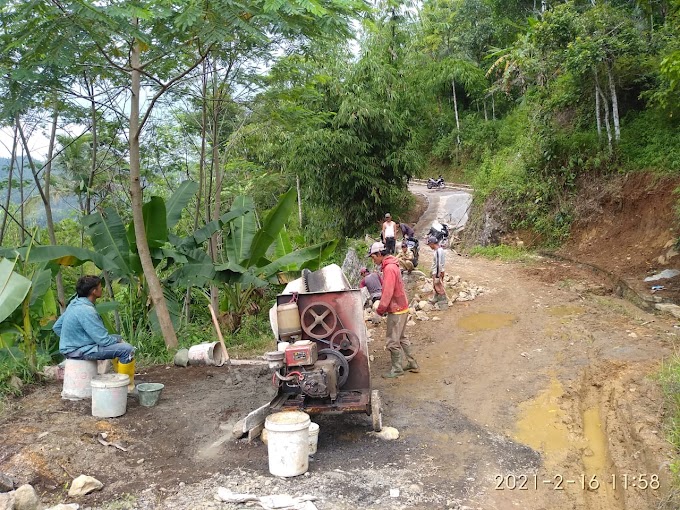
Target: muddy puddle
(485, 321)
(541, 424)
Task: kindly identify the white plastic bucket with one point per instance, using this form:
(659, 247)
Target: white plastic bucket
(78, 374)
(109, 395)
(288, 443)
(313, 437)
(207, 354)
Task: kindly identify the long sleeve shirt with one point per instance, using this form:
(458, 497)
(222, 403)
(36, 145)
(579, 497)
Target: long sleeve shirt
(393, 299)
(438, 261)
(80, 328)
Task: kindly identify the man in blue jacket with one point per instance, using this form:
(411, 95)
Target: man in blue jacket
(81, 331)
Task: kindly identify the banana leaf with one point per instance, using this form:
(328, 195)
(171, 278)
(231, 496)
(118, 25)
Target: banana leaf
(60, 255)
(155, 225)
(174, 309)
(41, 281)
(13, 289)
(282, 246)
(298, 259)
(203, 234)
(108, 236)
(237, 243)
(271, 226)
(178, 201)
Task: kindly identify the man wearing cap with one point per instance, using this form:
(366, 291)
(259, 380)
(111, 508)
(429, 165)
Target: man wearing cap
(393, 302)
(405, 258)
(372, 282)
(437, 272)
(389, 230)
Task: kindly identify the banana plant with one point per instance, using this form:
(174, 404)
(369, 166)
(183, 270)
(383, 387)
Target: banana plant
(249, 253)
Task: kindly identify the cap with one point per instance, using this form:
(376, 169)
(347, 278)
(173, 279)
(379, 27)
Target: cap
(363, 270)
(376, 248)
(432, 240)
(388, 215)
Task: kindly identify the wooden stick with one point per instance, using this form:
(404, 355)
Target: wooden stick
(221, 338)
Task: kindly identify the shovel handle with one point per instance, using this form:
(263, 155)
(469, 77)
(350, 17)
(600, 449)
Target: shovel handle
(219, 333)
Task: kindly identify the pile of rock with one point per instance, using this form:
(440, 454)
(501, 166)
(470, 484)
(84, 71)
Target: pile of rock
(457, 289)
(26, 498)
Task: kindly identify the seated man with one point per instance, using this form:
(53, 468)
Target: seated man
(372, 282)
(82, 334)
(405, 258)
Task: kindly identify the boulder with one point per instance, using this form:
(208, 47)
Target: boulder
(674, 310)
(25, 498)
(387, 433)
(6, 483)
(427, 288)
(7, 501)
(63, 506)
(84, 485)
(422, 316)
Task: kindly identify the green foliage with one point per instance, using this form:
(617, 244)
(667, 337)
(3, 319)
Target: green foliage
(650, 142)
(669, 377)
(502, 252)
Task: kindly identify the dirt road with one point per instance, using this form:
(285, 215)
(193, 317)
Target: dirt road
(539, 394)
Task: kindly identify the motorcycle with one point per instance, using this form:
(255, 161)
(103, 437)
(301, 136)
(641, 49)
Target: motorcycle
(435, 183)
(439, 231)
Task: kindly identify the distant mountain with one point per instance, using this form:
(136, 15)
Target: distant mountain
(63, 205)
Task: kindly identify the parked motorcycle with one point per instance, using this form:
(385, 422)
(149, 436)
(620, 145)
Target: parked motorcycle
(435, 183)
(440, 231)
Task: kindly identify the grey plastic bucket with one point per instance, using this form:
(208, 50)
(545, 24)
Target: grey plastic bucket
(109, 395)
(149, 393)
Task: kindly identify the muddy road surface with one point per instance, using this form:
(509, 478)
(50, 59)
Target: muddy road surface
(538, 394)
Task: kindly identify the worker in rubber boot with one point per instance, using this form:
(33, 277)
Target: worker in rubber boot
(82, 334)
(393, 302)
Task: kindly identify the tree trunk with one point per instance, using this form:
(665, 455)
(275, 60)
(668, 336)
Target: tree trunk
(486, 115)
(93, 167)
(12, 162)
(615, 103)
(61, 295)
(297, 186)
(22, 218)
(606, 118)
(155, 289)
(455, 110)
(493, 107)
(217, 169)
(598, 115)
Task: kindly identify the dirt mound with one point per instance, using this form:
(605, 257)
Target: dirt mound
(625, 225)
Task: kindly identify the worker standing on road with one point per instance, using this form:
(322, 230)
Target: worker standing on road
(393, 302)
(389, 231)
(438, 261)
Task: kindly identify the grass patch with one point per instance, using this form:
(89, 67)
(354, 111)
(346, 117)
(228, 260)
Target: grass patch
(669, 377)
(502, 252)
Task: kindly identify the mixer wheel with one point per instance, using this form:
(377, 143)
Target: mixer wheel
(345, 340)
(376, 410)
(318, 320)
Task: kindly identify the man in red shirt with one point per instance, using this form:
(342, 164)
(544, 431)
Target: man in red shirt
(393, 302)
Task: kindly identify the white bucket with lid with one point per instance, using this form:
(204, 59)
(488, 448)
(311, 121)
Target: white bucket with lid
(109, 395)
(288, 443)
(313, 437)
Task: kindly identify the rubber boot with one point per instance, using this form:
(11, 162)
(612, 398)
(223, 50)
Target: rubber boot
(412, 365)
(396, 370)
(129, 370)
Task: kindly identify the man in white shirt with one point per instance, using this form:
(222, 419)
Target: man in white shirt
(389, 229)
